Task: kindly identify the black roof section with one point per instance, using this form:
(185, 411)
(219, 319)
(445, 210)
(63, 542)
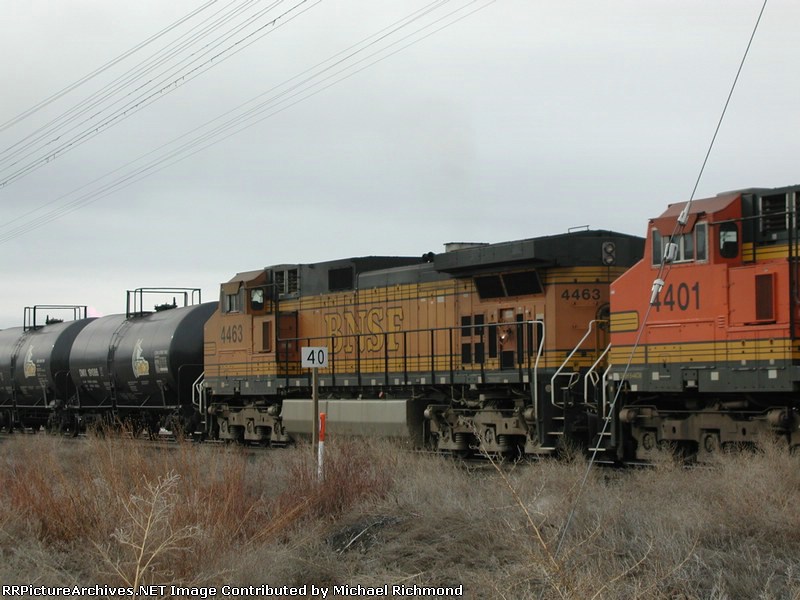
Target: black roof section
(579, 248)
(573, 249)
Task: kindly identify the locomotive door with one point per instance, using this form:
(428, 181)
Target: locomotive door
(510, 340)
(473, 335)
(288, 353)
(517, 340)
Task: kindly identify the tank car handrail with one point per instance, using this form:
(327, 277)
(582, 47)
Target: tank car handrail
(79, 311)
(592, 374)
(135, 300)
(564, 364)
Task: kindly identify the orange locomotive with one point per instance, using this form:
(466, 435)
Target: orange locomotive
(484, 343)
(719, 346)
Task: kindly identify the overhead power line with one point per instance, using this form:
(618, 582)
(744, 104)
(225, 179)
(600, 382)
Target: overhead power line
(88, 77)
(111, 106)
(342, 65)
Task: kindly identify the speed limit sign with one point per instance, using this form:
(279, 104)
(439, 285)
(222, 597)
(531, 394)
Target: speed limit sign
(314, 357)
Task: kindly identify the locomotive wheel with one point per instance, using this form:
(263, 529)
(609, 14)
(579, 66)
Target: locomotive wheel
(711, 443)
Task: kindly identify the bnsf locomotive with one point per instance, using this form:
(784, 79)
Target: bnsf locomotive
(718, 358)
(479, 344)
(517, 347)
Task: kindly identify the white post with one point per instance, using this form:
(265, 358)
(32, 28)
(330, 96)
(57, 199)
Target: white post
(321, 447)
(315, 409)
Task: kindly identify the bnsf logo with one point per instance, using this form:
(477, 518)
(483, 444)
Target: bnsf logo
(345, 326)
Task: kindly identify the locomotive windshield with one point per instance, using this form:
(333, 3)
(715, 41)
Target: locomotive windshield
(691, 246)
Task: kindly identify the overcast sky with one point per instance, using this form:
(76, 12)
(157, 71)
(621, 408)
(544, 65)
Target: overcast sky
(522, 119)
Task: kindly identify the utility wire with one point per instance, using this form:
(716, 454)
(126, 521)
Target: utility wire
(663, 270)
(50, 99)
(139, 71)
(51, 202)
(167, 85)
(214, 136)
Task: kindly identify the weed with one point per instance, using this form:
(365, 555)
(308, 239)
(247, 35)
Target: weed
(114, 511)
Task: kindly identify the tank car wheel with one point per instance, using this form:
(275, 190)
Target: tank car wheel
(7, 423)
(69, 427)
(51, 427)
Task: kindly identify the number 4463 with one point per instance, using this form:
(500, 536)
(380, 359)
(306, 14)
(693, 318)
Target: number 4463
(581, 294)
(232, 333)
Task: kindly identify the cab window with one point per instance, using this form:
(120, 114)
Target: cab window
(691, 246)
(728, 240)
(658, 247)
(257, 299)
(701, 241)
(233, 303)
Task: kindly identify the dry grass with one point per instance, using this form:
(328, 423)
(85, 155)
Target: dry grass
(107, 511)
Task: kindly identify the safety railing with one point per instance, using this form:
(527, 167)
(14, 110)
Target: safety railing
(514, 352)
(573, 376)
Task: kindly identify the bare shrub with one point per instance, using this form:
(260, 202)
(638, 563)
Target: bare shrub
(95, 491)
(145, 539)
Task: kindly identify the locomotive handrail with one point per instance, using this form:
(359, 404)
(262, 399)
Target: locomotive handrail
(605, 388)
(535, 390)
(199, 396)
(592, 375)
(564, 364)
(435, 362)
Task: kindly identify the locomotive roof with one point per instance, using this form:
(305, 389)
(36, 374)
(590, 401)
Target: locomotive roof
(245, 276)
(722, 201)
(703, 205)
(665, 223)
(577, 248)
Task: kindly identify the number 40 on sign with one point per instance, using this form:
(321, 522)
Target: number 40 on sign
(314, 357)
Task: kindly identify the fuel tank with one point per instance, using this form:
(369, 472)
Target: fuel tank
(140, 362)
